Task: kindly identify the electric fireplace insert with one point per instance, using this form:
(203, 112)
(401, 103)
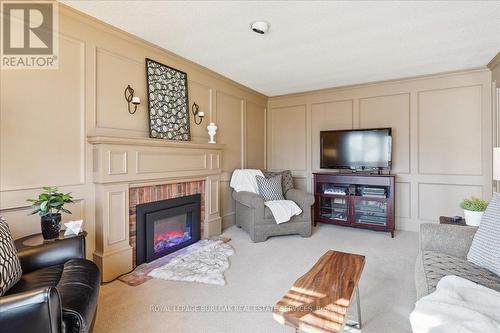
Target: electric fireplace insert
(165, 226)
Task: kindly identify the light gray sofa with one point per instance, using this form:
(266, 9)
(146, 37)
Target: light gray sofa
(443, 251)
(258, 221)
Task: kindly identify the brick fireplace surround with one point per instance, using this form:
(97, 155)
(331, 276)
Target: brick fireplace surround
(147, 194)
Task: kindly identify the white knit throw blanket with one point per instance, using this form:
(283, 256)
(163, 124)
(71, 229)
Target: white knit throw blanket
(205, 265)
(457, 306)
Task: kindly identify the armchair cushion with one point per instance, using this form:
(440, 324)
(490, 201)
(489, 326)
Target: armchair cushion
(302, 198)
(10, 267)
(41, 278)
(485, 248)
(437, 265)
(446, 238)
(286, 178)
(249, 199)
(270, 188)
(37, 310)
(51, 253)
(79, 289)
(57, 292)
(77, 282)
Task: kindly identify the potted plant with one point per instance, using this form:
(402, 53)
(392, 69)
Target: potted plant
(49, 205)
(473, 210)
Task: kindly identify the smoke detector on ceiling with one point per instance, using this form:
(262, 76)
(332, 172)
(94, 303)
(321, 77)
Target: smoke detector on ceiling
(260, 27)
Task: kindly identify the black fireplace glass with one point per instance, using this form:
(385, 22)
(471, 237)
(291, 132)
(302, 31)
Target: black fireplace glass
(165, 226)
(171, 231)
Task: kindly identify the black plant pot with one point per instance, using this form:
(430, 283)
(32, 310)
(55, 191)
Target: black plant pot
(51, 225)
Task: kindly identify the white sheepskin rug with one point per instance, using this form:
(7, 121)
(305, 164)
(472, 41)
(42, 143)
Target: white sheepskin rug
(205, 265)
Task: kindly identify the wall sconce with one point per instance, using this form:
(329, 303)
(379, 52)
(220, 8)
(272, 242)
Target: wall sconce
(198, 115)
(130, 98)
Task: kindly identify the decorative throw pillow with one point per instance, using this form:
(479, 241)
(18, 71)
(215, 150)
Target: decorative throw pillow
(270, 188)
(286, 178)
(485, 248)
(10, 267)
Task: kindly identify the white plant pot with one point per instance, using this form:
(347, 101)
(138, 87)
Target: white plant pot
(472, 218)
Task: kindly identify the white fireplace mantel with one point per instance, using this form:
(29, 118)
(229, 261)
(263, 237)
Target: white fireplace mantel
(120, 163)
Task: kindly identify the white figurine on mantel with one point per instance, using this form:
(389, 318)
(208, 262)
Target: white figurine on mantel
(212, 129)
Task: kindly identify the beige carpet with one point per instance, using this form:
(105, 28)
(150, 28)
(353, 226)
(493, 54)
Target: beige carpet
(259, 275)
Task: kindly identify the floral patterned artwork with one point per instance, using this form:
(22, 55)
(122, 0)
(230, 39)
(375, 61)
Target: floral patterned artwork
(167, 102)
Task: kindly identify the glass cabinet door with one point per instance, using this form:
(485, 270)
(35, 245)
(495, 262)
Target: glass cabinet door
(370, 211)
(334, 208)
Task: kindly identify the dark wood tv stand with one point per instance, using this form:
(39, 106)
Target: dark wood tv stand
(359, 200)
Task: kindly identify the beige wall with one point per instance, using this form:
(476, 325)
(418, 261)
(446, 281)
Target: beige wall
(494, 66)
(442, 137)
(47, 114)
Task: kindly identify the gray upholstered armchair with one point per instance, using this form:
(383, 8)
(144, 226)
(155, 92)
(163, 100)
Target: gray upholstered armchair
(258, 221)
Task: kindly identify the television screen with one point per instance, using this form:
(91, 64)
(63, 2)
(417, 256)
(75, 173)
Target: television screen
(356, 149)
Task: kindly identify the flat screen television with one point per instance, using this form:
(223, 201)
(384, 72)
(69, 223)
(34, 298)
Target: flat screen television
(356, 149)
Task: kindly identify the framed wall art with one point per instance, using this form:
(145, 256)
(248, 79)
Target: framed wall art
(168, 104)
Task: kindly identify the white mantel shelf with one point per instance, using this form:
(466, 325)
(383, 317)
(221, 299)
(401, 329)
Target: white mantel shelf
(115, 140)
(129, 159)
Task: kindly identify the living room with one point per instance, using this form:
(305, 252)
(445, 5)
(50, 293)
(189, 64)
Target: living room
(250, 166)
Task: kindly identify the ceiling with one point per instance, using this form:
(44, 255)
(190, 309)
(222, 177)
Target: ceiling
(313, 45)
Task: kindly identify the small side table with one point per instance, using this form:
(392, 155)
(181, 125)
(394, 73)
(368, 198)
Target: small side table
(449, 220)
(37, 240)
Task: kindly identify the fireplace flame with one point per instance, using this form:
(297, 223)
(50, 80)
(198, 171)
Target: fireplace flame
(168, 235)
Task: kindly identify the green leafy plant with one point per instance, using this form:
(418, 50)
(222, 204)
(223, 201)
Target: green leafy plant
(474, 204)
(50, 201)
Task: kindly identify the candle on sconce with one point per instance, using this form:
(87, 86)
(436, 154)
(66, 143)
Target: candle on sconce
(198, 115)
(131, 99)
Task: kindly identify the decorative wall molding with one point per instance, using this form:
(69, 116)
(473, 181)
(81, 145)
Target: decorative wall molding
(494, 62)
(147, 142)
(406, 198)
(116, 209)
(393, 82)
(77, 102)
(382, 121)
(413, 208)
(295, 133)
(117, 159)
(479, 134)
(467, 190)
(149, 47)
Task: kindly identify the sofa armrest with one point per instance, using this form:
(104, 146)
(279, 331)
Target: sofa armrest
(249, 199)
(37, 310)
(446, 238)
(303, 199)
(51, 253)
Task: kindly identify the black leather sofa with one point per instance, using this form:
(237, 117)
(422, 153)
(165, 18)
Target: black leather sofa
(57, 292)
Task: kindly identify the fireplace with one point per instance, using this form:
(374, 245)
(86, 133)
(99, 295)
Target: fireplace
(165, 226)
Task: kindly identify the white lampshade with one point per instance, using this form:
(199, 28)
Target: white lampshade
(496, 163)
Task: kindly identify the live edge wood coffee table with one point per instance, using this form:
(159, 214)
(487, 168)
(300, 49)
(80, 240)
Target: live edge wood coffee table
(319, 301)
